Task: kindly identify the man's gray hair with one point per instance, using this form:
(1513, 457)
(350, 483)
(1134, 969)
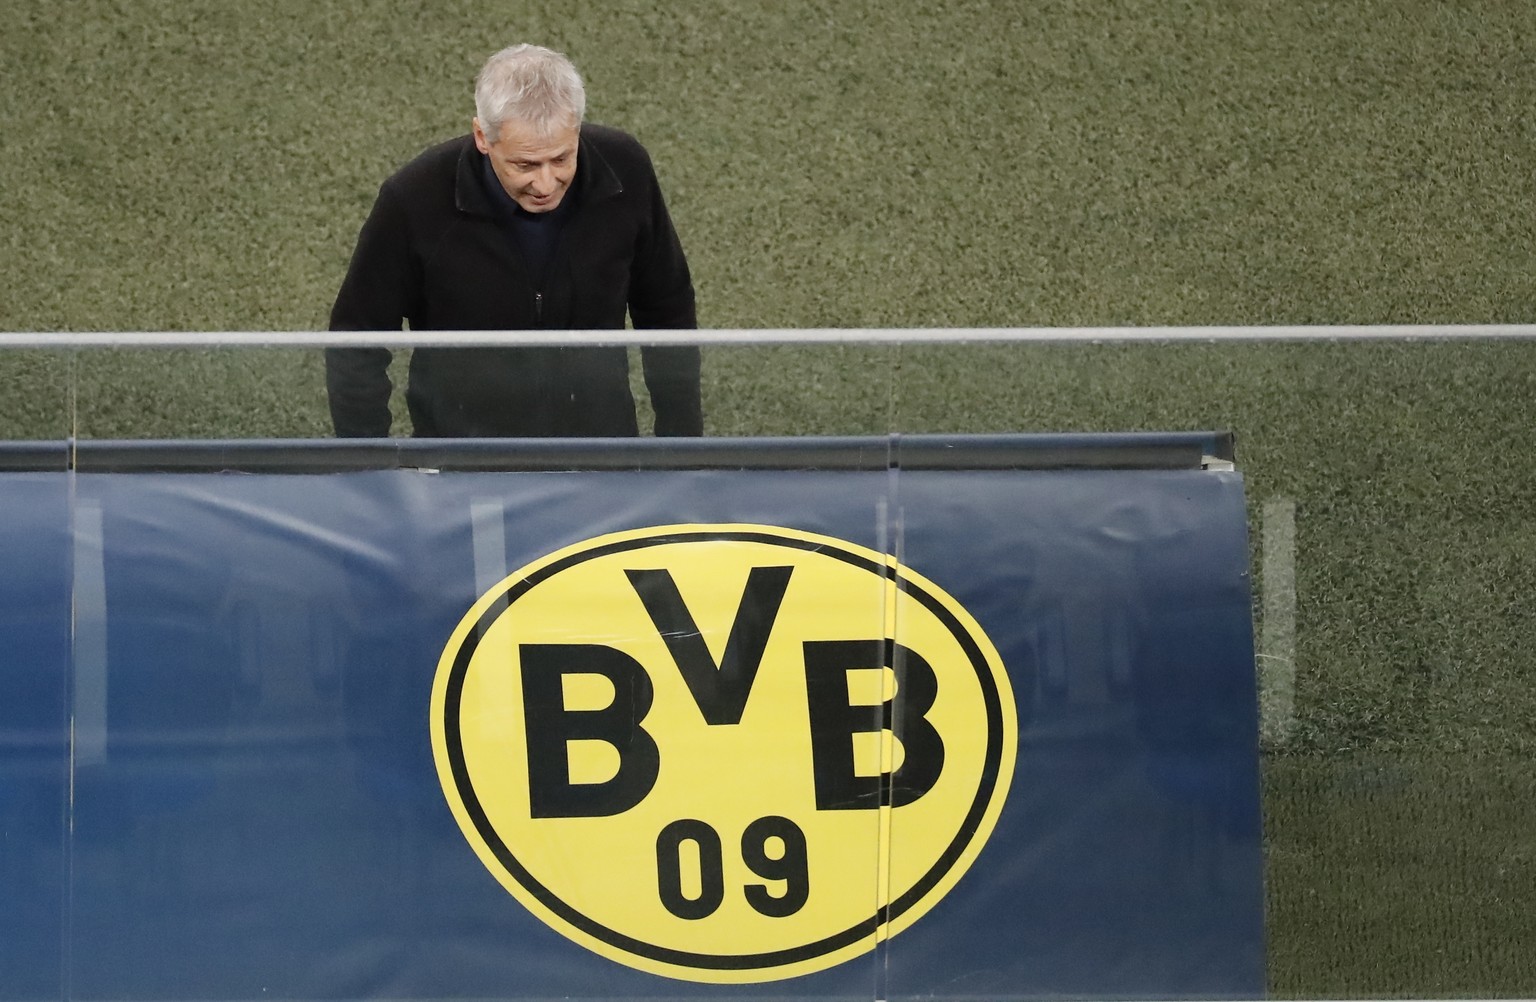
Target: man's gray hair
(532, 85)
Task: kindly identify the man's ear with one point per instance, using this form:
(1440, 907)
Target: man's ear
(481, 143)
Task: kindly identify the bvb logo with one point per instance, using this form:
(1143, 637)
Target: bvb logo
(723, 753)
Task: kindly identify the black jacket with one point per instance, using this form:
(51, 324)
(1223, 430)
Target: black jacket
(435, 254)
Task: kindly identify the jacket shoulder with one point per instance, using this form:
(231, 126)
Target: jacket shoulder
(435, 166)
(618, 147)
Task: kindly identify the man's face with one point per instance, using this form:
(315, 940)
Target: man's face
(535, 168)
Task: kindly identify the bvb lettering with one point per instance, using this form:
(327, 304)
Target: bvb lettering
(721, 692)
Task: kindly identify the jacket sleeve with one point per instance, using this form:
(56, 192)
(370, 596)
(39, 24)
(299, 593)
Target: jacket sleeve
(672, 378)
(661, 298)
(375, 296)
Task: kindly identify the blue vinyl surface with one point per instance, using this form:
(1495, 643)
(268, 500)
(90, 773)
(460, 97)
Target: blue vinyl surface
(256, 813)
(34, 728)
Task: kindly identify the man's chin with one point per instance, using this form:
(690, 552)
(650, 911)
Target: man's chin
(531, 204)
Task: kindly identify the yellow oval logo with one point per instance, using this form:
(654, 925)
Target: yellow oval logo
(723, 753)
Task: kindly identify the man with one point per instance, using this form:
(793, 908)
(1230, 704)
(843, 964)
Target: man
(534, 221)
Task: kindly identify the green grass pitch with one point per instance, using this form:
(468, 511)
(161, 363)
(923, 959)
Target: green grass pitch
(204, 165)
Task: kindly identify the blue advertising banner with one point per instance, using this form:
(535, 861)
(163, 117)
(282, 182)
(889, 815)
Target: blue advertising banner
(34, 728)
(836, 727)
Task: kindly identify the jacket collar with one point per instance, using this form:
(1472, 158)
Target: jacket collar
(595, 177)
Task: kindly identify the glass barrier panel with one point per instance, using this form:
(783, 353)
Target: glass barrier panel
(1390, 513)
(218, 651)
(799, 389)
(201, 393)
(38, 404)
(275, 778)
(281, 393)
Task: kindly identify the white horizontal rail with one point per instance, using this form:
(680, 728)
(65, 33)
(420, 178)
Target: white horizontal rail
(764, 336)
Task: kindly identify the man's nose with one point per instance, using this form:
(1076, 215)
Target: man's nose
(544, 181)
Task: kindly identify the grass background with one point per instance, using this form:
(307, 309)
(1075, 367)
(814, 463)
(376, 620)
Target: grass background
(204, 165)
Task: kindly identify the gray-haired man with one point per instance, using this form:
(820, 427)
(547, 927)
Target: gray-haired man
(536, 220)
